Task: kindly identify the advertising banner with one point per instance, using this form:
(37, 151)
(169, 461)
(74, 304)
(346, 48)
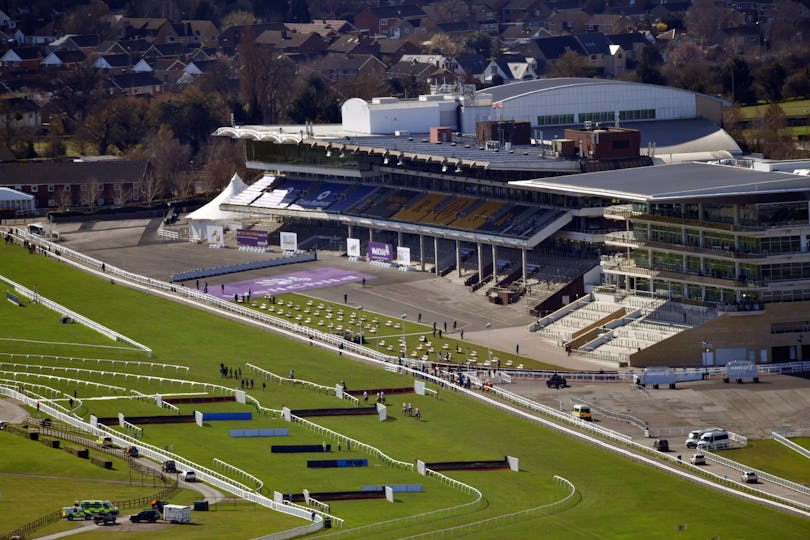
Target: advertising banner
(404, 256)
(353, 247)
(289, 241)
(378, 251)
(253, 238)
(215, 235)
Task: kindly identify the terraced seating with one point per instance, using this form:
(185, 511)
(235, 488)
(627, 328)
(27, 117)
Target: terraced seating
(478, 216)
(253, 191)
(388, 205)
(419, 211)
(321, 197)
(351, 197)
(450, 211)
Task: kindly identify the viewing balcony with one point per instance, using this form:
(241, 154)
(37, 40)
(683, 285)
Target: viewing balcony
(619, 265)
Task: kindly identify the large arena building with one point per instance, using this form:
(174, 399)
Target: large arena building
(597, 192)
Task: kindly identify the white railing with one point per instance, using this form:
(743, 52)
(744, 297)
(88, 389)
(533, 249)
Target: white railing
(65, 312)
(571, 499)
(767, 477)
(301, 382)
(353, 443)
(160, 455)
(790, 444)
(98, 361)
(423, 517)
(246, 475)
(169, 235)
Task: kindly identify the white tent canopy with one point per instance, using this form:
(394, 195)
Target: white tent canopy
(210, 213)
(23, 203)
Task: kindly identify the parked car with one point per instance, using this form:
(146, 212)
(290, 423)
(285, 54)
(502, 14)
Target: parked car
(662, 445)
(104, 442)
(169, 466)
(556, 381)
(188, 476)
(104, 519)
(74, 512)
(697, 459)
(150, 515)
(132, 451)
(749, 477)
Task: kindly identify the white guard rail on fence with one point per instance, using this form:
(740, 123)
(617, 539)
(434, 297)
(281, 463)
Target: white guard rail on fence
(159, 455)
(790, 444)
(767, 477)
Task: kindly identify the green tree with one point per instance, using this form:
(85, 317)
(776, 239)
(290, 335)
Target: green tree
(736, 80)
(315, 102)
(479, 43)
(797, 85)
(771, 79)
(191, 115)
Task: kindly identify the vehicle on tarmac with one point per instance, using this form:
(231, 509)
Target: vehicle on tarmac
(92, 508)
(582, 412)
(557, 381)
(749, 477)
(714, 440)
(697, 459)
(168, 466)
(662, 445)
(150, 516)
(104, 519)
(104, 442)
(74, 512)
(694, 436)
(132, 451)
(188, 476)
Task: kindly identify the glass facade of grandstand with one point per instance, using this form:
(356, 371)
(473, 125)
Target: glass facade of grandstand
(726, 253)
(603, 116)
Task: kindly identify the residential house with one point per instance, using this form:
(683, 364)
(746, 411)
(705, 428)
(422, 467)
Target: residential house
(231, 37)
(35, 33)
(632, 43)
(6, 21)
(149, 29)
(598, 54)
(471, 67)
(166, 49)
(130, 46)
(63, 60)
(394, 49)
(113, 62)
(327, 29)
(547, 50)
(21, 58)
(512, 67)
(72, 184)
(87, 43)
(291, 42)
(19, 113)
(392, 21)
(191, 33)
(355, 43)
(567, 21)
(607, 23)
(337, 67)
(134, 84)
(522, 11)
(421, 71)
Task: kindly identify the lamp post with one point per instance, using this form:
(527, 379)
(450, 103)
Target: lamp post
(489, 343)
(404, 343)
(705, 349)
(360, 322)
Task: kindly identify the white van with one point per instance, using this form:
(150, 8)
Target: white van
(694, 436)
(714, 440)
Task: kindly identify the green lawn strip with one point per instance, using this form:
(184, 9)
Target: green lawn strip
(453, 428)
(771, 456)
(790, 108)
(802, 441)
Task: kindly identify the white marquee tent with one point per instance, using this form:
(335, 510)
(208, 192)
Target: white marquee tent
(200, 219)
(23, 203)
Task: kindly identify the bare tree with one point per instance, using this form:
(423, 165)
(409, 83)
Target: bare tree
(64, 199)
(264, 81)
(170, 158)
(89, 194)
(151, 186)
(223, 158)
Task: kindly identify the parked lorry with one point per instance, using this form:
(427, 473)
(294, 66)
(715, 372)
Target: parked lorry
(177, 513)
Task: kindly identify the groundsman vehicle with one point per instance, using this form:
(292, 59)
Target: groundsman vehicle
(94, 507)
(582, 411)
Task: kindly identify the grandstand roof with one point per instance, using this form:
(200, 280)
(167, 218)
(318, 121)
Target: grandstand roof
(682, 181)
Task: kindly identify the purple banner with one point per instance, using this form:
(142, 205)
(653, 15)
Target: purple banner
(286, 283)
(253, 238)
(378, 251)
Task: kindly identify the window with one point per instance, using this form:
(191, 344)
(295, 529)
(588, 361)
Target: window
(100, 188)
(51, 188)
(84, 187)
(66, 187)
(34, 189)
